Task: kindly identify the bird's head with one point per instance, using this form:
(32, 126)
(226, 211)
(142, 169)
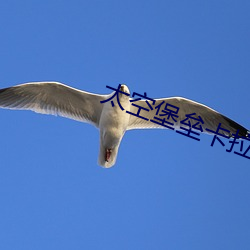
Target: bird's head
(124, 89)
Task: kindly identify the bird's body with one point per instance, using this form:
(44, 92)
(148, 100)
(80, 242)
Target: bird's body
(113, 125)
(113, 120)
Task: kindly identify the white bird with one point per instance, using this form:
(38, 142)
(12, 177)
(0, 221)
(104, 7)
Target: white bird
(58, 99)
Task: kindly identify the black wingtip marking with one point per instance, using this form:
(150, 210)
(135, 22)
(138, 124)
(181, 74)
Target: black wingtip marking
(3, 90)
(242, 131)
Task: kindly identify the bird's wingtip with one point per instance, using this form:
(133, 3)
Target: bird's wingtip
(3, 90)
(243, 132)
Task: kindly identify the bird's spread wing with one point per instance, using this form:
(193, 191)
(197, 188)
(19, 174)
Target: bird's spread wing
(54, 98)
(210, 117)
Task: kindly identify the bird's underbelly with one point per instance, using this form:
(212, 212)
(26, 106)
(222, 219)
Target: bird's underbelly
(112, 130)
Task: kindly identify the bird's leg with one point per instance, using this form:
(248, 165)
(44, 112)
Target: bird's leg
(108, 154)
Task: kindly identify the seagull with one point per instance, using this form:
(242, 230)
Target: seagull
(113, 118)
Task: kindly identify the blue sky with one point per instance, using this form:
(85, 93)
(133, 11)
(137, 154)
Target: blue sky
(166, 191)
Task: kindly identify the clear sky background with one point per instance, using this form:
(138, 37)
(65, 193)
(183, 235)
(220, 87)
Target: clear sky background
(166, 191)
